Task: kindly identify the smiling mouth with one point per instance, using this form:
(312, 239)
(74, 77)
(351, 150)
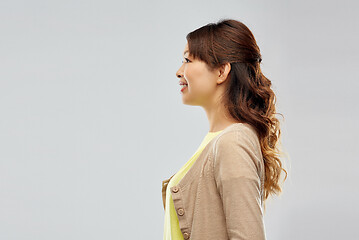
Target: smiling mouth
(184, 86)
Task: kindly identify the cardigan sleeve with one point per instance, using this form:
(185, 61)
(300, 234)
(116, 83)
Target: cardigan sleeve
(237, 172)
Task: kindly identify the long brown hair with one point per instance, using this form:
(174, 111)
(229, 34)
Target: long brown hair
(248, 96)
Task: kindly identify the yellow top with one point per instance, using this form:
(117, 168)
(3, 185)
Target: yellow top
(172, 230)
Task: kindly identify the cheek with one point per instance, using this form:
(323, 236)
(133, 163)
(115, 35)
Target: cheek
(189, 74)
(199, 79)
(193, 75)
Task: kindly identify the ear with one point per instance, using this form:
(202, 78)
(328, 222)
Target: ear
(223, 72)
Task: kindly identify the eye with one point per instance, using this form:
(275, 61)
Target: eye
(187, 60)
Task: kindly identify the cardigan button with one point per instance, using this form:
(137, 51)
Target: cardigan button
(175, 189)
(180, 211)
(185, 235)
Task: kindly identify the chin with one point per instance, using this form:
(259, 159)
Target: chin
(189, 103)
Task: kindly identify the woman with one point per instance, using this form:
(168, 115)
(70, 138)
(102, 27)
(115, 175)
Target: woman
(220, 192)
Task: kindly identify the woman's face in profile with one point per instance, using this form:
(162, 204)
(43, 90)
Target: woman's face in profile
(201, 82)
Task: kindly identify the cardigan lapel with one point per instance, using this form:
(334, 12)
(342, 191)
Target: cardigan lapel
(196, 167)
(164, 188)
(205, 154)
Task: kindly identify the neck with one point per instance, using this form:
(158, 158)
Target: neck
(218, 117)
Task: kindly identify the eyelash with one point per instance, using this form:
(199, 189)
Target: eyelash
(186, 60)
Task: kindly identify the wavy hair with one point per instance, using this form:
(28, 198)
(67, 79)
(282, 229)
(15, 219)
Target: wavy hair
(248, 95)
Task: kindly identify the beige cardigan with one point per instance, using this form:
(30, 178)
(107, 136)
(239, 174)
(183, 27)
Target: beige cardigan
(221, 195)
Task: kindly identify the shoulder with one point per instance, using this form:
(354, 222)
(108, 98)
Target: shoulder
(240, 142)
(242, 133)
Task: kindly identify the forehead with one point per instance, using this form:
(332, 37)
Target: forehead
(185, 49)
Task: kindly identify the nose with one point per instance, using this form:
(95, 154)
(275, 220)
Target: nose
(179, 72)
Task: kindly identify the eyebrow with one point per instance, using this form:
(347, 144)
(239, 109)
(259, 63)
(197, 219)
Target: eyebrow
(185, 52)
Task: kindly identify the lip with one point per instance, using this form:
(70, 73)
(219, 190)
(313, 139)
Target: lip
(184, 88)
(182, 82)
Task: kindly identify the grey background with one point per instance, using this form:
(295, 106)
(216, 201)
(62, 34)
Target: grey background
(92, 119)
